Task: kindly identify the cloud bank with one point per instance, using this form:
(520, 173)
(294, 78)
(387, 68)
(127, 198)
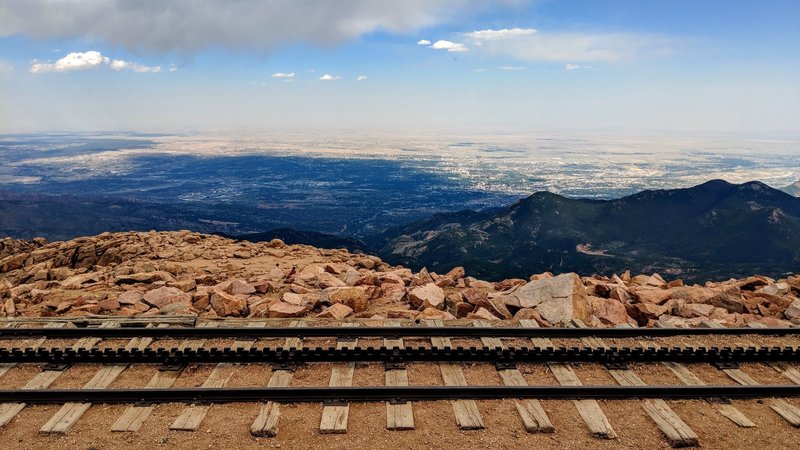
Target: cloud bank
(189, 26)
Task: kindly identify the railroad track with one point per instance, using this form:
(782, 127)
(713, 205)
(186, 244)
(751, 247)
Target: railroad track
(25, 344)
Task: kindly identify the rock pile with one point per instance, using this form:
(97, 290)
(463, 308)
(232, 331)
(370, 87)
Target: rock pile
(188, 273)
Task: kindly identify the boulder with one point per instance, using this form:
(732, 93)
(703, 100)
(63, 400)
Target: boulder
(326, 280)
(653, 295)
(496, 307)
(239, 287)
(462, 309)
(227, 305)
(729, 299)
(473, 296)
(610, 311)
(427, 296)
(482, 314)
(283, 309)
(433, 313)
(793, 311)
(77, 281)
(336, 311)
(455, 273)
(690, 310)
(354, 297)
(558, 299)
(164, 295)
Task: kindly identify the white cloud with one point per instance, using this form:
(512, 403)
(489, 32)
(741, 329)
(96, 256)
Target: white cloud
(329, 77)
(575, 67)
(72, 62)
(163, 26)
(449, 46)
(529, 45)
(91, 59)
(361, 78)
(283, 75)
(173, 68)
(505, 33)
(423, 42)
(511, 68)
(119, 64)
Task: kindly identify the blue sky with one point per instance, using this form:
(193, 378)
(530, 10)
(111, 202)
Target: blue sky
(213, 65)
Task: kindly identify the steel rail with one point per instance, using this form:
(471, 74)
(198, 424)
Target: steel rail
(508, 355)
(380, 332)
(388, 393)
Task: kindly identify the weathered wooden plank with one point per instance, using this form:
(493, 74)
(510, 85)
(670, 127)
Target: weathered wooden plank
(678, 434)
(41, 380)
(334, 417)
(789, 412)
(192, 416)
(65, 418)
(676, 431)
(266, 423)
(688, 378)
(466, 412)
(134, 416)
(533, 416)
(589, 410)
(398, 416)
(787, 371)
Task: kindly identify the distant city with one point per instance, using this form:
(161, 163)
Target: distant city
(359, 184)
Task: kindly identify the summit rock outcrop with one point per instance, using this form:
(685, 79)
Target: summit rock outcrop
(186, 273)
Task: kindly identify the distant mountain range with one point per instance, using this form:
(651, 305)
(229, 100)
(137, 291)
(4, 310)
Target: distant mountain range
(793, 189)
(714, 230)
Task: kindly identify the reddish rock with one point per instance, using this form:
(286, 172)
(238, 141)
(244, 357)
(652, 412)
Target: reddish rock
(433, 313)
(336, 311)
(239, 287)
(496, 307)
(729, 299)
(793, 311)
(166, 295)
(652, 295)
(641, 312)
(508, 284)
(402, 314)
(482, 314)
(609, 311)
(696, 310)
(428, 296)
(473, 296)
(326, 280)
(283, 309)
(109, 305)
(455, 273)
(228, 305)
(129, 297)
(354, 297)
(462, 309)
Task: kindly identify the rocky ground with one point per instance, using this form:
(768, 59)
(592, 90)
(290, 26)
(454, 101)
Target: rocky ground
(189, 273)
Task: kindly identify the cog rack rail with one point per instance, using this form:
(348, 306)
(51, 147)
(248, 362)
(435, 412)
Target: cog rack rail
(398, 355)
